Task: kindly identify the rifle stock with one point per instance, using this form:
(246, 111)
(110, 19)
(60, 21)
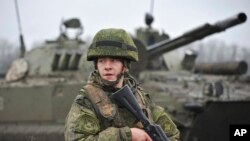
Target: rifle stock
(126, 98)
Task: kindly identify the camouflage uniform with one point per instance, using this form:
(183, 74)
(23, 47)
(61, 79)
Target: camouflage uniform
(95, 117)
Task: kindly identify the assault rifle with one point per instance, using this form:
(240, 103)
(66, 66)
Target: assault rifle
(126, 98)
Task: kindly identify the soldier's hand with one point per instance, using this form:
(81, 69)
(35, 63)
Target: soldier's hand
(139, 135)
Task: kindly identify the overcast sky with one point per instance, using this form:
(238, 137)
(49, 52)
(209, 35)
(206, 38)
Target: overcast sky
(40, 19)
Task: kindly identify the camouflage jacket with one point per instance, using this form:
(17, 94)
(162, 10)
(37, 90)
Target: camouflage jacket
(88, 121)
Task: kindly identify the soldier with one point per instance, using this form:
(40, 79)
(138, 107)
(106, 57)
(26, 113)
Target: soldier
(93, 115)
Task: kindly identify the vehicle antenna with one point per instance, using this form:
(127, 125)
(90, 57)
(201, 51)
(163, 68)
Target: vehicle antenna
(149, 16)
(151, 7)
(22, 45)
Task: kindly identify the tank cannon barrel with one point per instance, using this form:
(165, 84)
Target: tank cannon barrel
(222, 68)
(195, 34)
(146, 55)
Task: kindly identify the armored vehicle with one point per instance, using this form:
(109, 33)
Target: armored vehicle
(201, 98)
(39, 88)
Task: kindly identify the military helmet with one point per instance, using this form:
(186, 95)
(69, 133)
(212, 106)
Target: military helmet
(112, 42)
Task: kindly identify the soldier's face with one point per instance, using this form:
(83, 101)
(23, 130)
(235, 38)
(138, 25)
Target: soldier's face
(109, 68)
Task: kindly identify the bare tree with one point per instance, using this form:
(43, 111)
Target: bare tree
(216, 51)
(8, 52)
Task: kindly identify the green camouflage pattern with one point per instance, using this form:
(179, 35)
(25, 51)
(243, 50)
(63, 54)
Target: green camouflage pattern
(162, 118)
(82, 122)
(117, 35)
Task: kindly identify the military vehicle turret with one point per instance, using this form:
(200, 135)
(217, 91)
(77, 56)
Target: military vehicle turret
(158, 44)
(39, 88)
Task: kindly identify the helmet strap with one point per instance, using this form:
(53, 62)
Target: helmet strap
(112, 83)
